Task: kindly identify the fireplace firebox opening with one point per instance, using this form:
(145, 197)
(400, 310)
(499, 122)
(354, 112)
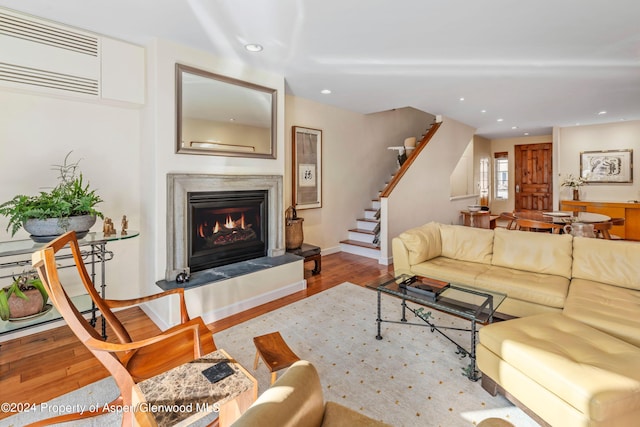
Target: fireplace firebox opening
(226, 227)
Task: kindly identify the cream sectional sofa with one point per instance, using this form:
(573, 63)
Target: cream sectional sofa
(572, 358)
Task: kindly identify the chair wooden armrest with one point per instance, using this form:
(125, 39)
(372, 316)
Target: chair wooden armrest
(184, 315)
(97, 344)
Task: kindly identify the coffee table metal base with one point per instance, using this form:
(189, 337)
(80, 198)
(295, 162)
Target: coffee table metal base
(471, 371)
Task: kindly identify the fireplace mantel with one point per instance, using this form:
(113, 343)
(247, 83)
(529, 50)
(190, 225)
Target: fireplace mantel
(179, 185)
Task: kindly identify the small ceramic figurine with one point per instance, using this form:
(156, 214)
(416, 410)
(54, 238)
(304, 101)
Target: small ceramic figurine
(125, 225)
(108, 229)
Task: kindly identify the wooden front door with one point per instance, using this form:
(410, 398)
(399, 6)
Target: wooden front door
(533, 177)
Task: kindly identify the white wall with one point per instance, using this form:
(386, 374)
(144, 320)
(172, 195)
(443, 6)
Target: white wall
(37, 131)
(613, 136)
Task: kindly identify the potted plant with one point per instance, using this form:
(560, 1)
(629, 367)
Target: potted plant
(70, 205)
(26, 296)
(575, 184)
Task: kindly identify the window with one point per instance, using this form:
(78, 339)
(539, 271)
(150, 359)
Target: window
(501, 176)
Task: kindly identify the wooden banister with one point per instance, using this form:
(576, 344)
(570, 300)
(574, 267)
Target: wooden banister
(405, 166)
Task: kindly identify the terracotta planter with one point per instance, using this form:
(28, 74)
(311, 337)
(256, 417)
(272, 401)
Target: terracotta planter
(19, 307)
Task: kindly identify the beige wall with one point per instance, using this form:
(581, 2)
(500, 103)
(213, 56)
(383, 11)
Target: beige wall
(423, 193)
(355, 162)
(568, 142)
(613, 136)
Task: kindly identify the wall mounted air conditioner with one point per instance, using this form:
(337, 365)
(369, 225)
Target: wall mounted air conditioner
(43, 56)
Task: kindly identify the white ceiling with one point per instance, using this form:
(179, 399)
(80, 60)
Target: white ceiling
(533, 64)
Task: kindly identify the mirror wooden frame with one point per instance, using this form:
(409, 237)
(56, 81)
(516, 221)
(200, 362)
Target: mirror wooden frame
(229, 148)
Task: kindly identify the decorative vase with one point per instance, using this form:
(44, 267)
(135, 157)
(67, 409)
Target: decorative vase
(576, 194)
(293, 233)
(45, 230)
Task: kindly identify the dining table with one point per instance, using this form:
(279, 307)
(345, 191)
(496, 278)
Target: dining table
(563, 217)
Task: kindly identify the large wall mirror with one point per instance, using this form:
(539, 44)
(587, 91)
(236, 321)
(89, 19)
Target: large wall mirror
(222, 116)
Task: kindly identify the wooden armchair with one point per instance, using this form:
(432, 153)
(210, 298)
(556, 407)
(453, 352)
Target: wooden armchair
(128, 361)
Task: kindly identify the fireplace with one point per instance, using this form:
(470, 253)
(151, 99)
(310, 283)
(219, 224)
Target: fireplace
(226, 227)
(257, 195)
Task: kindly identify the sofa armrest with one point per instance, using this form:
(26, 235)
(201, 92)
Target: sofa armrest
(400, 256)
(294, 399)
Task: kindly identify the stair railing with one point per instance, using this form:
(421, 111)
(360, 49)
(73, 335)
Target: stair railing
(405, 166)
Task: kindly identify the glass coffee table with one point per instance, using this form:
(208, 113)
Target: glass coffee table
(475, 305)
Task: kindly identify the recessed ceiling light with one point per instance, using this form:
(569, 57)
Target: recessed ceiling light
(601, 113)
(253, 47)
(461, 99)
(526, 134)
(325, 91)
(500, 120)
(514, 127)
(483, 111)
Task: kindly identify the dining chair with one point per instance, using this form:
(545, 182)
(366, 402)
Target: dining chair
(535, 225)
(602, 229)
(128, 361)
(510, 220)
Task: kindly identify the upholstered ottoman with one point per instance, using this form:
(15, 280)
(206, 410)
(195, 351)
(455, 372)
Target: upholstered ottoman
(564, 371)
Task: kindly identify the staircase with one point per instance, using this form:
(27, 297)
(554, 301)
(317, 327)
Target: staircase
(363, 240)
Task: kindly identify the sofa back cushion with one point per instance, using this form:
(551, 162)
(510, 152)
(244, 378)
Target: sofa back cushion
(537, 252)
(422, 243)
(467, 243)
(607, 261)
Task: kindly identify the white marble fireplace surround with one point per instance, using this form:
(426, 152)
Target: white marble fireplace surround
(178, 185)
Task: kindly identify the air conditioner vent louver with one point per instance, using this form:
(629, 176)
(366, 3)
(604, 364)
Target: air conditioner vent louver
(48, 79)
(39, 32)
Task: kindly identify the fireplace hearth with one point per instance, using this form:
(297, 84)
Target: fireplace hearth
(258, 199)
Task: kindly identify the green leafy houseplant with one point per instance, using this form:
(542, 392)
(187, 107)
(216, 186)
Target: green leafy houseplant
(20, 285)
(71, 197)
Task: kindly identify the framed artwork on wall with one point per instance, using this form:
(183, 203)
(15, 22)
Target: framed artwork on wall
(307, 167)
(607, 166)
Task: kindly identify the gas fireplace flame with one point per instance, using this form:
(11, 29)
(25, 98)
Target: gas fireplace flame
(229, 223)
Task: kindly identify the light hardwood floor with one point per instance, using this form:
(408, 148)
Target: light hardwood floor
(44, 365)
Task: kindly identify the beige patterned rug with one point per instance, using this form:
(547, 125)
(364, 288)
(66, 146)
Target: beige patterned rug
(412, 377)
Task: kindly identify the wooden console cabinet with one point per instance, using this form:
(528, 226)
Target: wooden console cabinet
(629, 211)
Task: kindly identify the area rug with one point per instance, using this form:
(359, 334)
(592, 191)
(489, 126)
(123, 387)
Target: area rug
(410, 377)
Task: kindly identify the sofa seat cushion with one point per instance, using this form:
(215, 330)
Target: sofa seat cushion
(538, 288)
(592, 371)
(450, 270)
(611, 309)
(608, 261)
(538, 252)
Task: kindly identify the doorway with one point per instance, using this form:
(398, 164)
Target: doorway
(533, 177)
